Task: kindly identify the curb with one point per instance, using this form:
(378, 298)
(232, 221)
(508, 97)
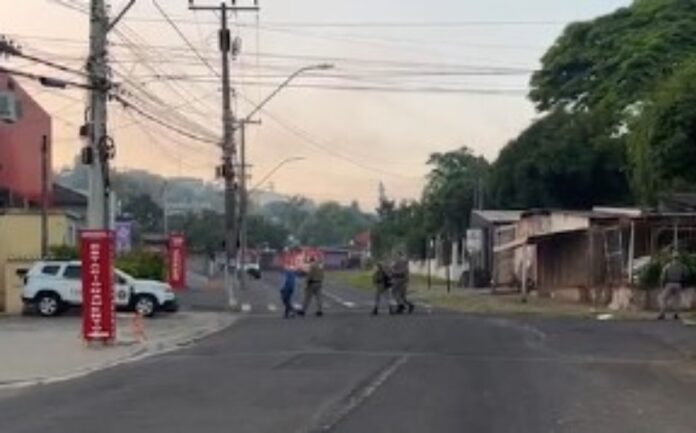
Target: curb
(149, 350)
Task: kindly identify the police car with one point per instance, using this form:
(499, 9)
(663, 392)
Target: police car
(52, 286)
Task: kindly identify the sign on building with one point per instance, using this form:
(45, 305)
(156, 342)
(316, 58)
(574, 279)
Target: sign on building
(98, 318)
(124, 237)
(177, 261)
(9, 106)
(474, 240)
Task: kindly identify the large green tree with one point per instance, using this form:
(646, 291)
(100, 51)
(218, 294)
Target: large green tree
(455, 182)
(663, 143)
(613, 63)
(560, 161)
(598, 89)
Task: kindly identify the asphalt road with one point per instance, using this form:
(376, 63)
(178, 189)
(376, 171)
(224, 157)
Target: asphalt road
(349, 372)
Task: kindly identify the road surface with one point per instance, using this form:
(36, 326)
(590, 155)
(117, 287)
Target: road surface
(433, 371)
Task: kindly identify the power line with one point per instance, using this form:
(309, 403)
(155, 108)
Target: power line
(128, 105)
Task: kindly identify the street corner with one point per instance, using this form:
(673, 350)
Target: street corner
(30, 344)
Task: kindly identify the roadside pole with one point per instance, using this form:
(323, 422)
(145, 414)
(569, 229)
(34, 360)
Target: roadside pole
(241, 272)
(44, 196)
(228, 143)
(95, 155)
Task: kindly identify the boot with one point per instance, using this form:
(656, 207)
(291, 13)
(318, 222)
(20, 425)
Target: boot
(661, 316)
(320, 314)
(375, 311)
(411, 307)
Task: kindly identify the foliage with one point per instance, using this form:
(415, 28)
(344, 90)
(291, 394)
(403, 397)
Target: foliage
(147, 214)
(649, 277)
(204, 231)
(63, 252)
(562, 160)
(333, 224)
(143, 264)
(661, 148)
(261, 232)
(400, 228)
(613, 62)
(453, 184)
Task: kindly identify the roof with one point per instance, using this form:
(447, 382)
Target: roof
(64, 196)
(498, 216)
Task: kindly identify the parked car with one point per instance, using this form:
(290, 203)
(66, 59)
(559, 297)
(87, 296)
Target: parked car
(52, 286)
(252, 269)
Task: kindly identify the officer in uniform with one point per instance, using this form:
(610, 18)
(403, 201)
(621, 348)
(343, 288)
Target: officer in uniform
(399, 275)
(315, 281)
(382, 282)
(673, 277)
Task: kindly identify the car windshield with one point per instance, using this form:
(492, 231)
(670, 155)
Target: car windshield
(348, 216)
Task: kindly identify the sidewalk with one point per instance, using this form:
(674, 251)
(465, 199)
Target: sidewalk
(37, 350)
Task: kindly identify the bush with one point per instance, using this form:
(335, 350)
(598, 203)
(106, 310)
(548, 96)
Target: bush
(649, 277)
(143, 264)
(63, 252)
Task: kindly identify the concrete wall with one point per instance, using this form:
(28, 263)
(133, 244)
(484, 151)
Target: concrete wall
(20, 238)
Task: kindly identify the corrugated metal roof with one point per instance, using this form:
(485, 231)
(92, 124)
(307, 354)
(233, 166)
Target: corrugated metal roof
(499, 216)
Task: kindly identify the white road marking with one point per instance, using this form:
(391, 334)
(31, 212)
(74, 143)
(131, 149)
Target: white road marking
(338, 299)
(359, 396)
(272, 308)
(246, 308)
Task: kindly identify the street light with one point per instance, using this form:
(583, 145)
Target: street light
(243, 189)
(259, 107)
(273, 171)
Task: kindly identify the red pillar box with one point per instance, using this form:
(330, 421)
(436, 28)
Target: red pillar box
(177, 261)
(98, 318)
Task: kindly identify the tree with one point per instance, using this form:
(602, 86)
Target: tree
(261, 232)
(560, 161)
(612, 63)
(453, 184)
(333, 225)
(662, 146)
(144, 211)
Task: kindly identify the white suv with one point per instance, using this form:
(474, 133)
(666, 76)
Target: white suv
(50, 286)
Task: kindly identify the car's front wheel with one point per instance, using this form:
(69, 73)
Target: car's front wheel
(48, 304)
(145, 305)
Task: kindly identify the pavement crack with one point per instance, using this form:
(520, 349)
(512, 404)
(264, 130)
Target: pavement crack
(357, 396)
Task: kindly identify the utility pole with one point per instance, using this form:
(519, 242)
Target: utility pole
(242, 210)
(101, 146)
(96, 155)
(228, 144)
(243, 202)
(44, 197)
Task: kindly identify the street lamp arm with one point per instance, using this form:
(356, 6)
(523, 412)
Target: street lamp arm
(274, 170)
(284, 84)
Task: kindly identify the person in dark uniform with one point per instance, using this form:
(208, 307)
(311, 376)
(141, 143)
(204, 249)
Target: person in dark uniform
(313, 288)
(673, 277)
(382, 283)
(399, 277)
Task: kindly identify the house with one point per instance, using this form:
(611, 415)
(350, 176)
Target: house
(20, 246)
(578, 254)
(487, 222)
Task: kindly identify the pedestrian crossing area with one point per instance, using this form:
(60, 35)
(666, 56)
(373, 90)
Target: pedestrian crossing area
(331, 303)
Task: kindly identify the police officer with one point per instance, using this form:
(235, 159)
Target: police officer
(673, 277)
(399, 275)
(382, 282)
(315, 281)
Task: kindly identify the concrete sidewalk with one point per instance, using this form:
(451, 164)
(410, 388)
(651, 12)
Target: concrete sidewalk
(37, 350)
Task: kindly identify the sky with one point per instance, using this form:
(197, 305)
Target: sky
(410, 78)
